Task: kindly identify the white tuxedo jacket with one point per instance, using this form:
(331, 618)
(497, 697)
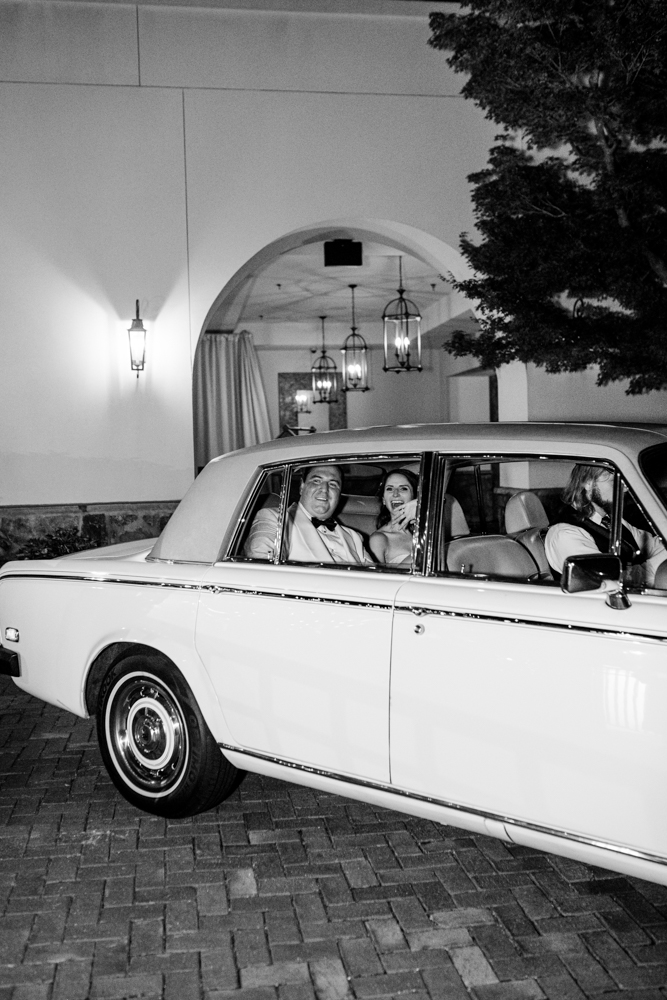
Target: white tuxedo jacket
(304, 541)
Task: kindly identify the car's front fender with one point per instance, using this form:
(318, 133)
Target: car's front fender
(66, 617)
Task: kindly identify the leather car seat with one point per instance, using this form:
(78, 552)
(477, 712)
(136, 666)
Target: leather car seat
(660, 582)
(526, 522)
(491, 555)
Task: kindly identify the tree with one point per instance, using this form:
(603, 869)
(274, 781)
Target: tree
(571, 268)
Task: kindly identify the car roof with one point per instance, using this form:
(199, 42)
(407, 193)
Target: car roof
(197, 528)
(617, 435)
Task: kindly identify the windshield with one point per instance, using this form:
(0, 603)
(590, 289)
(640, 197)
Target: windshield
(653, 463)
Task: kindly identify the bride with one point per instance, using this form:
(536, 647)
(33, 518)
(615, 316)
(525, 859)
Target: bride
(392, 542)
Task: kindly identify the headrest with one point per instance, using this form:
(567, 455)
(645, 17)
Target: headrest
(455, 519)
(524, 510)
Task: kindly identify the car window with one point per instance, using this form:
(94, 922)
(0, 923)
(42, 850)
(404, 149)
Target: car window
(653, 463)
(258, 539)
(337, 513)
(518, 520)
(483, 489)
(642, 549)
(494, 516)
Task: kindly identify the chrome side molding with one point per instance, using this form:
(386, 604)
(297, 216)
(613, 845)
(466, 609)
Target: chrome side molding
(493, 821)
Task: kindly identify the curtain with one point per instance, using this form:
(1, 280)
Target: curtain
(230, 408)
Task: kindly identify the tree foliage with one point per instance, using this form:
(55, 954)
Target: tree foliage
(572, 207)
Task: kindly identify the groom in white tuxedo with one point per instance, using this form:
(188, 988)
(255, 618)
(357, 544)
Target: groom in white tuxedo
(313, 533)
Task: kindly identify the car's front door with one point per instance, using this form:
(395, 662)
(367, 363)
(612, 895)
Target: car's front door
(517, 700)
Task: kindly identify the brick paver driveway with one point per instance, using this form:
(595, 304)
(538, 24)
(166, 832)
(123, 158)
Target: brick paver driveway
(287, 893)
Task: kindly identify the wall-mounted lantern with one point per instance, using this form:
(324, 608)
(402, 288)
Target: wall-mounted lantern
(302, 400)
(137, 335)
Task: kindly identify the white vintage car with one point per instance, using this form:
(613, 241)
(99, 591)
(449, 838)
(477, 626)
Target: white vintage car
(463, 684)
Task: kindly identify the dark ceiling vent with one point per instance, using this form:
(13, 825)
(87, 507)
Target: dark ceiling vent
(343, 253)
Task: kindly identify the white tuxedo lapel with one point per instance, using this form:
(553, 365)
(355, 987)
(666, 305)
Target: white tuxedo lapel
(305, 542)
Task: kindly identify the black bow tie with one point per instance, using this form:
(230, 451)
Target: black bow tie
(329, 524)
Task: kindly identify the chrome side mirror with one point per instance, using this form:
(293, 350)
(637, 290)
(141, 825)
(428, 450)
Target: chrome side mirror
(595, 571)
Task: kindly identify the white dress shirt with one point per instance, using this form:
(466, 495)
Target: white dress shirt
(563, 540)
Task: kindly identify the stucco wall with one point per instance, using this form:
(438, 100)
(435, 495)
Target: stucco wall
(148, 153)
(575, 396)
(93, 216)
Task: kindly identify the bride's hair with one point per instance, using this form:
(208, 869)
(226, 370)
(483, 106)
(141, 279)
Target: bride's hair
(384, 516)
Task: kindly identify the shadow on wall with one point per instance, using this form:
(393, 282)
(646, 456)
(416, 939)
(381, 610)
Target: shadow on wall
(44, 532)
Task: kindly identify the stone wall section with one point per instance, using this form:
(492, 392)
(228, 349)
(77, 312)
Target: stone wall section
(48, 530)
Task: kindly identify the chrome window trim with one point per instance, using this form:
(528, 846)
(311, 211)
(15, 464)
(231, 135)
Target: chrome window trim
(423, 516)
(433, 520)
(178, 562)
(245, 505)
(455, 806)
(250, 497)
(522, 456)
(617, 519)
(288, 476)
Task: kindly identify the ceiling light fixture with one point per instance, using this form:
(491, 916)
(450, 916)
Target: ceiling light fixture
(355, 358)
(325, 375)
(401, 321)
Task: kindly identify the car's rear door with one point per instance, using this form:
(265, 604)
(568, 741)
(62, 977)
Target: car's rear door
(300, 660)
(300, 657)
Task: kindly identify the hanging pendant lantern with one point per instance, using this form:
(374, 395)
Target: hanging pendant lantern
(402, 332)
(325, 375)
(355, 358)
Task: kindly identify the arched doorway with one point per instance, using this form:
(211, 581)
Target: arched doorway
(282, 290)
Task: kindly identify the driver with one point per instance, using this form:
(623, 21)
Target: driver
(585, 527)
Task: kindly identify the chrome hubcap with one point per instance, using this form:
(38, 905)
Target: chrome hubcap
(146, 734)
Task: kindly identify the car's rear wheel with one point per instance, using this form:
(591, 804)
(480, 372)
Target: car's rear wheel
(155, 744)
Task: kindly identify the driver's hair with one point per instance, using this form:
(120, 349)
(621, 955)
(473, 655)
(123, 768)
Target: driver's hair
(579, 491)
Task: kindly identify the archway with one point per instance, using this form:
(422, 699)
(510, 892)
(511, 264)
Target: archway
(404, 239)
(438, 262)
